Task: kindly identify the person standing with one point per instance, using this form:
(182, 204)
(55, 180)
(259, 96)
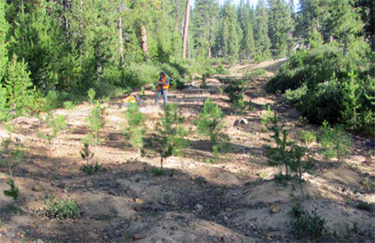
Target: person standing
(163, 86)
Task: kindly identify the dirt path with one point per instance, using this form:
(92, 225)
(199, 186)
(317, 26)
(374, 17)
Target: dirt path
(231, 201)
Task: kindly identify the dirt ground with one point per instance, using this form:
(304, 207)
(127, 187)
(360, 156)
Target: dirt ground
(235, 200)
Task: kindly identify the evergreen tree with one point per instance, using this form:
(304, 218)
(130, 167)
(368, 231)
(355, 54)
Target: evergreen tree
(210, 123)
(248, 42)
(4, 27)
(35, 38)
(280, 26)
(17, 84)
(262, 40)
(204, 23)
(136, 127)
(230, 33)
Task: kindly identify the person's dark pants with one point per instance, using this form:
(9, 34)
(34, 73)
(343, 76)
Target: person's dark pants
(163, 92)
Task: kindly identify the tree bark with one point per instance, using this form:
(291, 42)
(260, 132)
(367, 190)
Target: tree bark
(186, 29)
(144, 40)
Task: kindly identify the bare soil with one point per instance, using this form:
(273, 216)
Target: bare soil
(235, 200)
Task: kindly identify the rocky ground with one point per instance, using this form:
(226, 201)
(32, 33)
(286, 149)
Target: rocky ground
(234, 200)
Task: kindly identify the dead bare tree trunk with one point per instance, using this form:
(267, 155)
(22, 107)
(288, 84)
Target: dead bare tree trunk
(120, 33)
(186, 29)
(144, 40)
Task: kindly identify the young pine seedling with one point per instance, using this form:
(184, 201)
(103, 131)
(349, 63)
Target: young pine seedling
(56, 124)
(210, 124)
(136, 127)
(90, 168)
(13, 191)
(96, 123)
(336, 142)
(170, 134)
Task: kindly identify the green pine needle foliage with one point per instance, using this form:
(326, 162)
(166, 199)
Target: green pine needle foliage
(210, 124)
(336, 142)
(96, 121)
(13, 192)
(136, 128)
(169, 138)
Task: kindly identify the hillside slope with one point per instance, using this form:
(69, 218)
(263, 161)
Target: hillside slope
(235, 200)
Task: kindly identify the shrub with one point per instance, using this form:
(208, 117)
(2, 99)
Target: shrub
(365, 206)
(220, 69)
(210, 124)
(314, 106)
(92, 169)
(62, 208)
(307, 225)
(294, 96)
(321, 83)
(307, 137)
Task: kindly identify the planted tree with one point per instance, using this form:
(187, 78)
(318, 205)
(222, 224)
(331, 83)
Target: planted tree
(96, 122)
(336, 142)
(279, 154)
(13, 191)
(56, 124)
(286, 152)
(90, 168)
(210, 123)
(91, 94)
(136, 127)
(170, 134)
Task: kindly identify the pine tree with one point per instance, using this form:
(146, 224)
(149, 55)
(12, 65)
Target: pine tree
(262, 40)
(280, 26)
(136, 127)
(96, 122)
(336, 142)
(230, 32)
(4, 27)
(248, 42)
(18, 84)
(204, 24)
(210, 124)
(351, 94)
(36, 40)
(170, 134)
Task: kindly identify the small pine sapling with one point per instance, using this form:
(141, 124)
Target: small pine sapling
(86, 153)
(172, 121)
(296, 163)
(210, 123)
(96, 122)
(56, 124)
(336, 142)
(13, 191)
(91, 94)
(351, 92)
(170, 135)
(136, 127)
(89, 168)
(278, 155)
